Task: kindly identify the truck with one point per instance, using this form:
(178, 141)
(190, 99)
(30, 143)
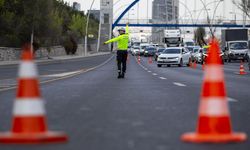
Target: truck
(234, 44)
(172, 38)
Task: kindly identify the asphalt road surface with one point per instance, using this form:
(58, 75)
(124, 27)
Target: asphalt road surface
(148, 110)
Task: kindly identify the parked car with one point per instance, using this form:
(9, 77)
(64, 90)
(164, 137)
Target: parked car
(149, 51)
(158, 52)
(174, 56)
(135, 50)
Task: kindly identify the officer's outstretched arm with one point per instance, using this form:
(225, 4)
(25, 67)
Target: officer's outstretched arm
(113, 40)
(127, 29)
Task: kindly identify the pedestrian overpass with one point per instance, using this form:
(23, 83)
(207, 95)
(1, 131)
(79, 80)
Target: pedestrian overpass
(181, 23)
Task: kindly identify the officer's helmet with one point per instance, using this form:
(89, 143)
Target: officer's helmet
(122, 30)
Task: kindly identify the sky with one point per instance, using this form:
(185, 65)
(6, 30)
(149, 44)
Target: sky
(223, 10)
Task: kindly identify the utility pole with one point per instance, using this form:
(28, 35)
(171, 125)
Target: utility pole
(86, 30)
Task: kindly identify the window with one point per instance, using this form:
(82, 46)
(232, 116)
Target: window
(106, 18)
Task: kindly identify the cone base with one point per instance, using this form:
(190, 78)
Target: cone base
(47, 137)
(242, 73)
(213, 138)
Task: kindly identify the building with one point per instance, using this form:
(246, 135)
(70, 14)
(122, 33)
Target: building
(106, 13)
(77, 6)
(163, 12)
(95, 14)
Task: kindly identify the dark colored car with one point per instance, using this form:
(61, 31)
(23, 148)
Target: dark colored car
(158, 52)
(149, 51)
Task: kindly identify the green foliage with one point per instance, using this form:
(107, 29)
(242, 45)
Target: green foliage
(51, 20)
(200, 34)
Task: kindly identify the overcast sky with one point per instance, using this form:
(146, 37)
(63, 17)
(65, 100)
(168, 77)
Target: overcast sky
(224, 8)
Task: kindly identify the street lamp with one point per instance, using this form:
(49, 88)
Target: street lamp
(208, 19)
(86, 29)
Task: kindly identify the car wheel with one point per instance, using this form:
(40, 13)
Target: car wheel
(181, 63)
(168, 65)
(158, 65)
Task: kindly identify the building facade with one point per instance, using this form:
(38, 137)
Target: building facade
(77, 6)
(106, 12)
(95, 14)
(163, 12)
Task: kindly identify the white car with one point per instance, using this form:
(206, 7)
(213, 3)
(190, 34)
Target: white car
(135, 50)
(174, 56)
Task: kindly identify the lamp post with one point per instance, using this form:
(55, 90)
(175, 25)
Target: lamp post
(86, 30)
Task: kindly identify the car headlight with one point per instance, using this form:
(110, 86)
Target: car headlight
(146, 51)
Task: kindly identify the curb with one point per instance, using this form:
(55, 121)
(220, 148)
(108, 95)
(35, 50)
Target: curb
(56, 60)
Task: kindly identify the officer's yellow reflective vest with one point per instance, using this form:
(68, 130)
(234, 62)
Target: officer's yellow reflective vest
(122, 40)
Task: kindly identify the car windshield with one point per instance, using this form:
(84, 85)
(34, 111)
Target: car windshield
(189, 43)
(238, 46)
(173, 40)
(190, 49)
(196, 50)
(150, 49)
(172, 51)
(161, 50)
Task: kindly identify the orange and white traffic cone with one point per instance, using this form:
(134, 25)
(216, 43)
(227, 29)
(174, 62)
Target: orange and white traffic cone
(195, 65)
(191, 64)
(214, 123)
(29, 122)
(203, 66)
(242, 69)
(139, 59)
(150, 60)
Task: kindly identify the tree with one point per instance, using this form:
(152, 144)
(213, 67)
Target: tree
(200, 34)
(243, 5)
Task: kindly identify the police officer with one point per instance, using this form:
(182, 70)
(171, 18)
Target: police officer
(122, 53)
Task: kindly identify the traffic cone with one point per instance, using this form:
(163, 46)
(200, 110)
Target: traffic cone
(150, 60)
(128, 58)
(242, 69)
(191, 64)
(203, 66)
(195, 65)
(139, 59)
(214, 123)
(29, 121)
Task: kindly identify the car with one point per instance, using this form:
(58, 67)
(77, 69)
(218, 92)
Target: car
(158, 52)
(135, 50)
(197, 55)
(248, 54)
(204, 55)
(142, 48)
(193, 50)
(174, 56)
(149, 51)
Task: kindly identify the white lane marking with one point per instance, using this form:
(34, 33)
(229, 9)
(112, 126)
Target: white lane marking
(155, 74)
(162, 78)
(4, 86)
(149, 71)
(62, 74)
(232, 99)
(179, 84)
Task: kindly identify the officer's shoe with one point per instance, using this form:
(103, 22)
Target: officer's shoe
(123, 75)
(119, 75)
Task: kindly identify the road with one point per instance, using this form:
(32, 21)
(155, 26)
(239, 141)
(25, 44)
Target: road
(148, 110)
